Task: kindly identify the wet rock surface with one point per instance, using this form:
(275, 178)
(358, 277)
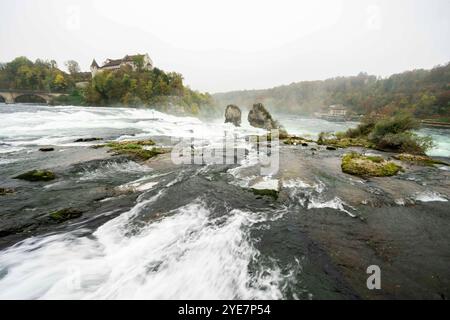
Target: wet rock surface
(324, 227)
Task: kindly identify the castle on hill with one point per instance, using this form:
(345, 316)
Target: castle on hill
(128, 60)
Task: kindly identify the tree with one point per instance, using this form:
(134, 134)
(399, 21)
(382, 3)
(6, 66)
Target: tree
(60, 82)
(138, 62)
(72, 66)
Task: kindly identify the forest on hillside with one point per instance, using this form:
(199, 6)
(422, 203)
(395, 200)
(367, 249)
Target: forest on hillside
(124, 87)
(423, 93)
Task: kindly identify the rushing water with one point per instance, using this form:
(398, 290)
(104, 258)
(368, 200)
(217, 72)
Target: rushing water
(151, 233)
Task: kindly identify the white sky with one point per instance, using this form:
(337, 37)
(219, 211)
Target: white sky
(234, 44)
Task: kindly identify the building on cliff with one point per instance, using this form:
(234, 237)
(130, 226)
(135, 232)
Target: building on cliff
(129, 60)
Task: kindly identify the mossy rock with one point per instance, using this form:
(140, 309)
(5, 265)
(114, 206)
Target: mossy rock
(144, 154)
(368, 166)
(65, 214)
(133, 143)
(418, 160)
(98, 146)
(294, 140)
(136, 149)
(37, 175)
(5, 191)
(344, 142)
(266, 192)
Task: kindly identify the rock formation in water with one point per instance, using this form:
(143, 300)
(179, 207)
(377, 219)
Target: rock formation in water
(259, 117)
(233, 115)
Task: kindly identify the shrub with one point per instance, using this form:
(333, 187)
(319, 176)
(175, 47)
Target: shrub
(405, 142)
(363, 129)
(395, 125)
(392, 134)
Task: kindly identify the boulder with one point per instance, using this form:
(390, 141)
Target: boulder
(233, 115)
(37, 175)
(46, 149)
(368, 166)
(259, 117)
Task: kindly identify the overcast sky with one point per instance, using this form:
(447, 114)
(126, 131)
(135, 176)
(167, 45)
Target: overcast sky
(234, 44)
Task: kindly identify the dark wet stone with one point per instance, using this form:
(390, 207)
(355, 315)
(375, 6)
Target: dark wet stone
(331, 148)
(46, 149)
(5, 191)
(65, 214)
(88, 139)
(37, 175)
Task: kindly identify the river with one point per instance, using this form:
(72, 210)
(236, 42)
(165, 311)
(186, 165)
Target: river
(158, 232)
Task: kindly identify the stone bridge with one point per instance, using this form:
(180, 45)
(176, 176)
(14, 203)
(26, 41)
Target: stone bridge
(10, 96)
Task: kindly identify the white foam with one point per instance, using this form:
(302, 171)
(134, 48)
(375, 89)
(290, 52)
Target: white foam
(111, 168)
(266, 184)
(312, 196)
(186, 255)
(335, 203)
(138, 185)
(430, 196)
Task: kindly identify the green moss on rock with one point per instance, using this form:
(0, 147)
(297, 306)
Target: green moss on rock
(98, 146)
(418, 160)
(65, 214)
(136, 149)
(294, 140)
(37, 175)
(368, 166)
(340, 141)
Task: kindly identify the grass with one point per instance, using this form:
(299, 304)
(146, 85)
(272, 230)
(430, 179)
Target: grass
(37, 175)
(368, 166)
(136, 149)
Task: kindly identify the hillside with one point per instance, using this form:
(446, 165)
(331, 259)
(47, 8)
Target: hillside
(124, 87)
(424, 93)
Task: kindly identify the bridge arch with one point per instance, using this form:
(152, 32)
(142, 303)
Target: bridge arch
(31, 98)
